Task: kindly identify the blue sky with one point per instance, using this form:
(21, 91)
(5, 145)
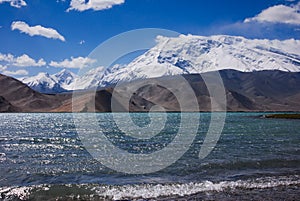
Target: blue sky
(47, 36)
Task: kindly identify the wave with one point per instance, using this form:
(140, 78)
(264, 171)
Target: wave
(140, 191)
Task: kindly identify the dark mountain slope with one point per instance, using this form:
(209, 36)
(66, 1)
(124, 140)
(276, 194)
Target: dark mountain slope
(19, 95)
(270, 90)
(253, 91)
(6, 106)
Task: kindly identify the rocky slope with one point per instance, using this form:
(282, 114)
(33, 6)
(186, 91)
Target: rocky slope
(245, 91)
(18, 97)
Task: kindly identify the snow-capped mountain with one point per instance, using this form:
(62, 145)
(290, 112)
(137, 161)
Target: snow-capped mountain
(65, 78)
(186, 54)
(189, 54)
(46, 83)
(90, 79)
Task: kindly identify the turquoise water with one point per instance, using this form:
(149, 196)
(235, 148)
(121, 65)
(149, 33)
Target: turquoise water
(42, 158)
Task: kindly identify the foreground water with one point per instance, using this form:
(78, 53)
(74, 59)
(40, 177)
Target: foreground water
(42, 158)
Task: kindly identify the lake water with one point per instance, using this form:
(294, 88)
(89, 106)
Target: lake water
(43, 158)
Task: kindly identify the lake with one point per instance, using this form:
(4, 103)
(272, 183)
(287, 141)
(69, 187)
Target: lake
(42, 157)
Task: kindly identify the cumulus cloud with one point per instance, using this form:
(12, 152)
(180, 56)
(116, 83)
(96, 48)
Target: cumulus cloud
(21, 61)
(79, 62)
(25, 60)
(278, 14)
(2, 68)
(15, 73)
(37, 30)
(15, 3)
(6, 57)
(82, 5)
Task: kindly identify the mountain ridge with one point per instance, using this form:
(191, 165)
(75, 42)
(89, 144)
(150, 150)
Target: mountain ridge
(187, 54)
(245, 91)
(18, 97)
(46, 83)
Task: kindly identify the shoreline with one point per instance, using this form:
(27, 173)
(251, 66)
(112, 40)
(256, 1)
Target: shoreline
(283, 116)
(258, 111)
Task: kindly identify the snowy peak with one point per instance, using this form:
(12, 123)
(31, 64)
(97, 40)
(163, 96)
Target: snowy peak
(43, 82)
(65, 78)
(91, 79)
(46, 83)
(198, 54)
(185, 54)
(188, 54)
(38, 79)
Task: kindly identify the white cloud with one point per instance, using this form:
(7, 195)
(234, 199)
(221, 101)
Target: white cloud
(15, 3)
(6, 57)
(82, 5)
(25, 60)
(2, 68)
(79, 62)
(36, 30)
(278, 14)
(21, 61)
(15, 73)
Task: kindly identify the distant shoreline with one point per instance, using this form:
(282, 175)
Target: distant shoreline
(283, 116)
(289, 114)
